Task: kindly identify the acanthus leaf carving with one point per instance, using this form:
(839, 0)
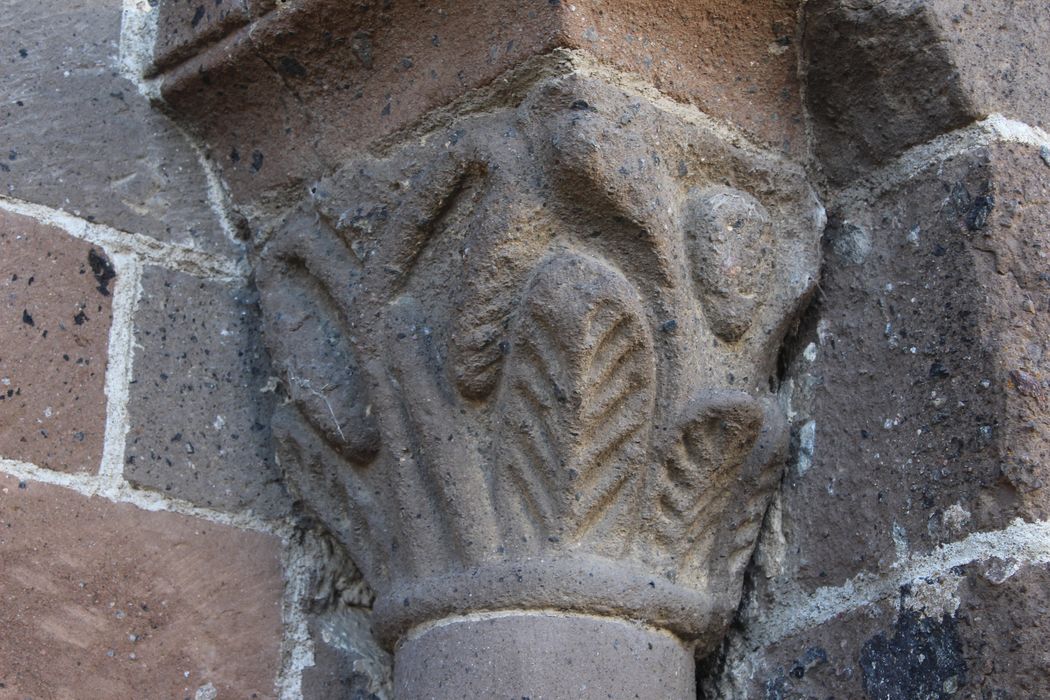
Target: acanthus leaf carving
(577, 404)
(715, 433)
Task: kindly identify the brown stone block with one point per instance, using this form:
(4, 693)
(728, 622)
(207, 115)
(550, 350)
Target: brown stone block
(324, 75)
(75, 135)
(102, 600)
(1005, 629)
(736, 61)
(307, 85)
(884, 76)
(56, 295)
(935, 312)
(200, 420)
(999, 48)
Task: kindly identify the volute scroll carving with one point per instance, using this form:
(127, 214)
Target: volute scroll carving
(528, 358)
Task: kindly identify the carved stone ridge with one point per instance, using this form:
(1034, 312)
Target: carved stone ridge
(530, 358)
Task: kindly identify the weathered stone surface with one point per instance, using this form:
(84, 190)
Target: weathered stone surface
(542, 656)
(998, 48)
(186, 25)
(77, 136)
(884, 76)
(490, 341)
(975, 631)
(819, 662)
(306, 86)
(736, 61)
(103, 600)
(1004, 615)
(880, 78)
(198, 409)
(55, 294)
(935, 311)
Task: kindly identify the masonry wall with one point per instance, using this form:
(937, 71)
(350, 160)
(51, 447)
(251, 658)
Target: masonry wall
(148, 546)
(908, 552)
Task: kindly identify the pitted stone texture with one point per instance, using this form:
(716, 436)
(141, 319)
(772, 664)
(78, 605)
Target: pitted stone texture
(303, 88)
(998, 48)
(198, 409)
(184, 25)
(819, 662)
(102, 600)
(77, 136)
(736, 61)
(528, 359)
(977, 630)
(1005, 628)
(542, 656)
(55, 296)
(884, 76)
(934, 310)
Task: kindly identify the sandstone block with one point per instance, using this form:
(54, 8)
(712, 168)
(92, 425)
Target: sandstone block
(102, 600)
(304, 87)
(56, 294)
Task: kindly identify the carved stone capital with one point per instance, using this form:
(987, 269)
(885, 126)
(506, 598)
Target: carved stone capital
(530, 356)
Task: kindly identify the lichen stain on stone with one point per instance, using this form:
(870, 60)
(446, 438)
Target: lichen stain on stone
(923, 660)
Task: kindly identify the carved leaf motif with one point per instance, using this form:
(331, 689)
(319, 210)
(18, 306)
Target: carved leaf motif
(309, 340)
(340, 495)
(720, 473)
(493, 276)
(577, 401)
(716, 432)
(436, 467)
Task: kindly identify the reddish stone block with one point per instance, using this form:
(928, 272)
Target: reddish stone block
(302, 88)
(736, 61)
(103, 600)
(55, 296)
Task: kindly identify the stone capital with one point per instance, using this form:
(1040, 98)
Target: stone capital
(528, 340)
